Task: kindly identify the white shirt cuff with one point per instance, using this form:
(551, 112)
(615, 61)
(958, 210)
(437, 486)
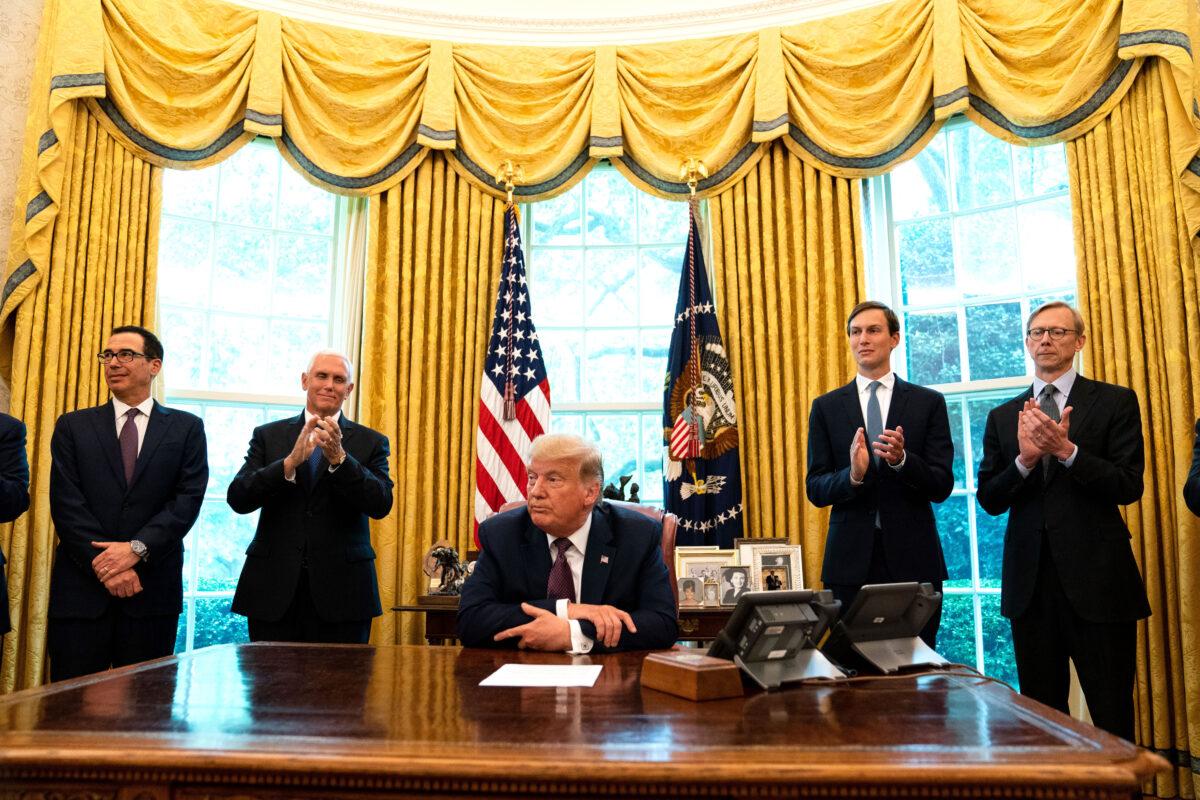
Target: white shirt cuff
(900, 465)
(580, 644)
(1069, 460)
(1021, 468)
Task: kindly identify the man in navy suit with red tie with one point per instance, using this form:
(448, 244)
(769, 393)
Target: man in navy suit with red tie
(564, 572)
(880, 453)
(126, 483)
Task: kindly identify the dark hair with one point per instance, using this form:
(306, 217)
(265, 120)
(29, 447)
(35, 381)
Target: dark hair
(150, 344)
(892, 320)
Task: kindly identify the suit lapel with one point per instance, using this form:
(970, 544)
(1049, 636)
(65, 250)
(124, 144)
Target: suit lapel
(104, 424)
(156, 428)
(900, 393)
(535, 553)
(598, 560)
(852, 407)
(1080, 401)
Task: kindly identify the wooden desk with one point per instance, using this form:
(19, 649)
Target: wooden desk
(695, 624)
(307, 721)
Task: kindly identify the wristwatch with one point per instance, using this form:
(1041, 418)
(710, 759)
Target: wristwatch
(139, 549)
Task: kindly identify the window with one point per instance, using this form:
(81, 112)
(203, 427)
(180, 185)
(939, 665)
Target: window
(965, 239)
(245, 289)
(604, 263)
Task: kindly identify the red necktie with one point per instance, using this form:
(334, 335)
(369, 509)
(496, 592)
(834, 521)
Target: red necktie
(561, 586)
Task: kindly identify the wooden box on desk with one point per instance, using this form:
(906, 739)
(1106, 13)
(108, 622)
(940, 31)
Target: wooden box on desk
(691, 675)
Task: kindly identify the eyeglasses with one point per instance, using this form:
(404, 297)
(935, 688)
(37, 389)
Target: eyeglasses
(1055, 333)
(122, 356)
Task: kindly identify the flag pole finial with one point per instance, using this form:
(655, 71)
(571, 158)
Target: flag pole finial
(510, 175)
(692, 169)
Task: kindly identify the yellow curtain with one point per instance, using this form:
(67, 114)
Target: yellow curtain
(787, 257)
(1138, 273)
(103, 274)
(357, 111)
(434, 249)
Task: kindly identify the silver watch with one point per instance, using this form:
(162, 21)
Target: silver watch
(139, 549)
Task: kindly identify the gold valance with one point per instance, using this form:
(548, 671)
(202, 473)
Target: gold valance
(356, 111)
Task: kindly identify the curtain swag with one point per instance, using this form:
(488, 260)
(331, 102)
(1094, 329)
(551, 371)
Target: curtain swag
(357, 112)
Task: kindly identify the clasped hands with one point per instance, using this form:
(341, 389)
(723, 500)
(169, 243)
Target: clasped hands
(114, 568)
(1038, 435)
(889, 446)
(323, 432)
(547, 631)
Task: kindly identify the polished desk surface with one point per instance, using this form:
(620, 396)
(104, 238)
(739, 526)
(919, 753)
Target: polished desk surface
(237, 719)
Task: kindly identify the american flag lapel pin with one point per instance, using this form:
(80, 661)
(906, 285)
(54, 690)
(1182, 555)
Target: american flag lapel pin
(603, 559)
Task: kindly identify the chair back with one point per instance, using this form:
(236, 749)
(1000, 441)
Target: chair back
(670, 525)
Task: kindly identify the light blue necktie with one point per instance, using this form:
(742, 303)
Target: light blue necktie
(874, 419)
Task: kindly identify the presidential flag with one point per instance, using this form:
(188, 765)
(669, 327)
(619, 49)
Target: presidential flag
(514, 398)
(703, 483)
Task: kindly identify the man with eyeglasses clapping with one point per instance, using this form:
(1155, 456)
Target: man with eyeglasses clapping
(1062, 458)
(126, 484)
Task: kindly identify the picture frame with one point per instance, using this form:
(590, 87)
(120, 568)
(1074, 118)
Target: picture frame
(704, 565)
(778, 563)
(735, 582)
(745, 545)
(712, 594)
(691, 592)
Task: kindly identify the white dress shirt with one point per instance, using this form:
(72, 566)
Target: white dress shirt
(574, 556)
(140, 421)
(884, 395)
(1063, 383)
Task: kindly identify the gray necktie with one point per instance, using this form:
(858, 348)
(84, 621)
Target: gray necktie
(1049, 407)
(874, 419)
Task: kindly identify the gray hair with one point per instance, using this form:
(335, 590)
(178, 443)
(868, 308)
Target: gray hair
(569, 447)
(328, 352)
(1057, 304)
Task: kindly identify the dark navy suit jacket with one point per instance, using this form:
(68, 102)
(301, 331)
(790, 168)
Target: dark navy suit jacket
(324, 523)
(1077, 508)
(902, 497)
(90, 502)
(1191, 489)
(623, 567)
(14, 492)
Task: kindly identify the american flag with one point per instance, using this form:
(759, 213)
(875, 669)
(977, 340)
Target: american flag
(514, 396)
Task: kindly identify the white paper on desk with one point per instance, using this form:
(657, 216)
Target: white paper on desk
(544, 675)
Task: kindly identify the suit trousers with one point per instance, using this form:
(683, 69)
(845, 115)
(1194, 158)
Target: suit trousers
(302, 623)
(114, 639)
(1050, 633)
(878, 572)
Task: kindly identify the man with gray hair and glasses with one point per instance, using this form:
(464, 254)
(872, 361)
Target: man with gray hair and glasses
(568, 571)
(309, 574)
(1062, 458)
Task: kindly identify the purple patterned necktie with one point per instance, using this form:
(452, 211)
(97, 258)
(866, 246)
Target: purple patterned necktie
(129, 443)
(561, 586)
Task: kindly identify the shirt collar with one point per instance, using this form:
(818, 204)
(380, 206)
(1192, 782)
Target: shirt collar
(864, 382)
(336, 417)
(579, 538)
(1063, 383)
(121, 409)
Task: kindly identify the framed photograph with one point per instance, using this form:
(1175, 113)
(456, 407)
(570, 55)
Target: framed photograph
(691, 592)
(745, 547)
(712, 594)
(703, 565)
(776, 567)
(735, 582)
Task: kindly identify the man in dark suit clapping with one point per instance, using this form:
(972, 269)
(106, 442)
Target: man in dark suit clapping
(309, 574)
(879, 452)
(126, 483)
(14, 492)
(1062, 458)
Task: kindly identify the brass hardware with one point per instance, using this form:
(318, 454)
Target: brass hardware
(510, 175)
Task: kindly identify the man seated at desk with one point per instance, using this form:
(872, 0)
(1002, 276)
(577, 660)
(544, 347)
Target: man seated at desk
(537, 561)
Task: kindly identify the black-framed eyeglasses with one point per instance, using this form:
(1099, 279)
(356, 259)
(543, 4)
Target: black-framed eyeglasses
(1055, 333)
(122, 356)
